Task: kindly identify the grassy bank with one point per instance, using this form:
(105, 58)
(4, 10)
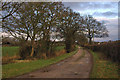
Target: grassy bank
(103, 68)
(14, 69)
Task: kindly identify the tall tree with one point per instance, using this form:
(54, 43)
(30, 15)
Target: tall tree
(69, 24)
(94, 28)
(25, 22)
(50, 20)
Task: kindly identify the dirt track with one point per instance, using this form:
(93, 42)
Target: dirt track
(73, 67)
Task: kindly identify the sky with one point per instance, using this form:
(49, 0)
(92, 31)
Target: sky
(102, 11)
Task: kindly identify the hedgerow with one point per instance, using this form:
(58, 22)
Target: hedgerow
(109, 49)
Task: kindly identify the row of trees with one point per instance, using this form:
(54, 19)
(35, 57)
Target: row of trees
(35, 21)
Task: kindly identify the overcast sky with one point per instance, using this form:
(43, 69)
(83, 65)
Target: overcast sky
(102, 11)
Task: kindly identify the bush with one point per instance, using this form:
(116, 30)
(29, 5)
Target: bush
(41, 50)
(25, 51)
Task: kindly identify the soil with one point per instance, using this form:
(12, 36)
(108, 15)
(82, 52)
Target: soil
(73, 67)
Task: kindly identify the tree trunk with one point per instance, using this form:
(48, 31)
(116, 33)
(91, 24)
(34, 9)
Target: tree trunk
(26, 39)
(90, 40)
(47, 48)
(68, 44)
(32, 52)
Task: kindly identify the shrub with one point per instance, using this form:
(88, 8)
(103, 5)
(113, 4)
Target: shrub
(25, 51)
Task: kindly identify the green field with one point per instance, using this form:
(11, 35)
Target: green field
(10, 51)
(58, 48)
(103, 68)
(14, 69)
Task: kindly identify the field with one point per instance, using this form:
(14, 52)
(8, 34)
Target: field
(10, 51)
(14, 69)
(58, 48)
(103, 68)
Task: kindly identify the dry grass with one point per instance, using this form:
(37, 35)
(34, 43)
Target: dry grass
(58, 53)
(44, 56)
(9, 59)
(19, 61)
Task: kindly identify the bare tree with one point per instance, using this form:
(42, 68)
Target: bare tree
(9, 8)
(94, 28)
(24, 22)
(69, 25)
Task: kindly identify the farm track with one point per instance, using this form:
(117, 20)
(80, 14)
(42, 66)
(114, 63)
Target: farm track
(73, 67)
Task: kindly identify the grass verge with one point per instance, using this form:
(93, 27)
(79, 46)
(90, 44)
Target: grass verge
(103, 68)
(15, 69)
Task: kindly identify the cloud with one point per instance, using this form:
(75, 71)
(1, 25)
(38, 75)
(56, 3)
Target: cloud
(83, 6)
(105, 14)
(112, 37)
(112, 27)
(108, 20)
